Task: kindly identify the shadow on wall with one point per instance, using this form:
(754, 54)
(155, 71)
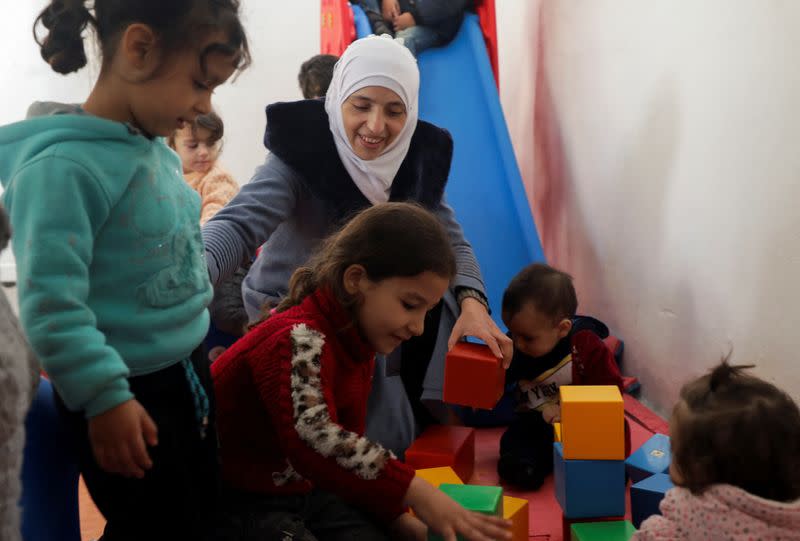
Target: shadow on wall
(650, 290)
(652, 309)
(608, 241)
(559, 228)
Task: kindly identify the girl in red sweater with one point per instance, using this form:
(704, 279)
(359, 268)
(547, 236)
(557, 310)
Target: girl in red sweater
(292, 394)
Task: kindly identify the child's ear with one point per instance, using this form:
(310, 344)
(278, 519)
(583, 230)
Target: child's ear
(564, 326)
(354, 277)
(139, 52)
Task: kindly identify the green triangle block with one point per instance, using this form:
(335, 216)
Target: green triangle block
(620, 530)
(486, 500)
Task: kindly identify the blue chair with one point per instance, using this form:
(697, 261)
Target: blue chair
(49, 474)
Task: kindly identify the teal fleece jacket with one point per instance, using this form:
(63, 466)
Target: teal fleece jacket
(110, 262)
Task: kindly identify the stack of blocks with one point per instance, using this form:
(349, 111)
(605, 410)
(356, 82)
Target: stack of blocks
(648, 469)
(589, 467)
(445, 455)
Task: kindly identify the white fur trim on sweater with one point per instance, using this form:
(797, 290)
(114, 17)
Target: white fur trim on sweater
(313, 423)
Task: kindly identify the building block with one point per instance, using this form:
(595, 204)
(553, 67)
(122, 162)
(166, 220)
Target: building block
(437, 476)
(646, 495)
(652, 457)
(473, 376)
(516, 510)
(620, 530)
(566, 524)
(588, 488)
(481, 499)
(441, 445)
(592, 422)
(557, 431)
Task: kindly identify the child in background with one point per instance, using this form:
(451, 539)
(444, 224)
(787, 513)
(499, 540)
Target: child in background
(315, 75)
(552, 347)
(735, 447)
(113, 286)
(421, 24)
(19, 375)
(292, 394)
(198, 144)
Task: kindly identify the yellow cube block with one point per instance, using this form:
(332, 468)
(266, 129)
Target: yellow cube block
(592, 422)
(438, 476)
(516, 510)
(557, 431)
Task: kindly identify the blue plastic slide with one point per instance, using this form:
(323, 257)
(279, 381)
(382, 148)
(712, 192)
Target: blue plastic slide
(458, 92)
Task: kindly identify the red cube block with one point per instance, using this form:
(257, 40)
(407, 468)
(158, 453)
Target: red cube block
(441, 445)
(473, 376)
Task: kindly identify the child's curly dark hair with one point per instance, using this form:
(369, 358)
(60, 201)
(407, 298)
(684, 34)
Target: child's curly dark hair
(731, 427)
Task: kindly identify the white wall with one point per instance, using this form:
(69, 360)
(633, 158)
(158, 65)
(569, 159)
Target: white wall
(282, 35)
(662, 163)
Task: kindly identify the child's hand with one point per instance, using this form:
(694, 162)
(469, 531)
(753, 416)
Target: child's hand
(118, 438)
(390, 9)
(215, 352)
(552, 413)
(403, 21)
(407, 527)
(446, 517)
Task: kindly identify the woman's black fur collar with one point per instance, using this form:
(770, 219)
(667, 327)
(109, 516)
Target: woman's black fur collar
(298, 133)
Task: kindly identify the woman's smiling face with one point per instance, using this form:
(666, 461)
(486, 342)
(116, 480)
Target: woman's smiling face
(373, 117)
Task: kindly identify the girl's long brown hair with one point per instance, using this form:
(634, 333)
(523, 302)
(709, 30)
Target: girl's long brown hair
(388, 240)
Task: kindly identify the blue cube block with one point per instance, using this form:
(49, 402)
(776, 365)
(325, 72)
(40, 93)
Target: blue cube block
(589, 488)
(652, 457)
(646, 495)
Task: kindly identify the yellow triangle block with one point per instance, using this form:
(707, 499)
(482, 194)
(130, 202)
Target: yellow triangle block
(557, 431)
(592, 422)
(516, 510)
(438, 476)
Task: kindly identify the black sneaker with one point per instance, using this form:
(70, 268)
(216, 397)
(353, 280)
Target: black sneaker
(520, 473)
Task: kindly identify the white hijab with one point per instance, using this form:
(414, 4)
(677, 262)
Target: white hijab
(374, 61)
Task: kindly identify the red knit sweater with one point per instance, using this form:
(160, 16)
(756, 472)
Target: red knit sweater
(291, 410)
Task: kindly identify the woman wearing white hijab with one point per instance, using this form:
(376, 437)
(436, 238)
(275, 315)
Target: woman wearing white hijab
(364, 145)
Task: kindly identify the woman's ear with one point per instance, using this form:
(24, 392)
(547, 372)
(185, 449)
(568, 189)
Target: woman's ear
(355, 277)
(564, 326)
